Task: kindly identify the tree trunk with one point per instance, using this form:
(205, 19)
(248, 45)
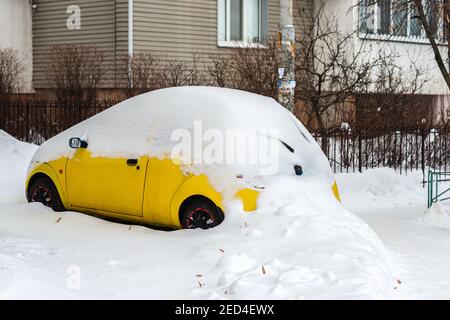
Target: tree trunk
(434, 46)
(322, 128)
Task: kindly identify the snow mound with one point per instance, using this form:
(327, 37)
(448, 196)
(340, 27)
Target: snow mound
(15, 157)
(381, 188)
(437, 216)
(307, 247)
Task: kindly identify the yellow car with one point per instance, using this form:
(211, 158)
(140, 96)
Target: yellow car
(126, 163)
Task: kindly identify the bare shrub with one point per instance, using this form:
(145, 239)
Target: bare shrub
(147, 72)
(178, 73)
(75, 72)
(144, 73)
(251, 68)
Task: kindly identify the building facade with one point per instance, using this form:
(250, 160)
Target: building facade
(377, 26)
(174, 29)
(180, 28)
(16, 33)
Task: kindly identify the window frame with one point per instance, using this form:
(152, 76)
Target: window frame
(225, 41)
(391, 36)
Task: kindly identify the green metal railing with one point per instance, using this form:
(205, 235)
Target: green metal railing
(435, 179)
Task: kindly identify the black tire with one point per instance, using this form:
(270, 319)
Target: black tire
(201, 213)
(43, 190)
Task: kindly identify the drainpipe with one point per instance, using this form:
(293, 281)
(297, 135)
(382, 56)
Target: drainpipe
(286, 72)
(130, 40)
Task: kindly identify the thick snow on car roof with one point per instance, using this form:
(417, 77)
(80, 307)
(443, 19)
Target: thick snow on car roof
(144, 124)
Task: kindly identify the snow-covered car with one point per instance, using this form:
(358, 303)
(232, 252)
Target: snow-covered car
(125, 163)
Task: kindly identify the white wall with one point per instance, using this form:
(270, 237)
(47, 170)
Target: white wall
(347, 18)
(16, 33)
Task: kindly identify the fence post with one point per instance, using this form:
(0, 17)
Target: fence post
(423, 155)
(360, 152)
(27, 121)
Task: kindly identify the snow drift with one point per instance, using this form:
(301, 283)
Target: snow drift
(437, 216)
(14, 157)
(300, 244)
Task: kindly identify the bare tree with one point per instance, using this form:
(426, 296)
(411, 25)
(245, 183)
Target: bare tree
(443, 112)
(330, 71)
(11, 72)
(429, 18)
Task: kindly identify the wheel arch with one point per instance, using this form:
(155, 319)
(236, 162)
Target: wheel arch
(46, 171)
(34, 177)
(194, 188)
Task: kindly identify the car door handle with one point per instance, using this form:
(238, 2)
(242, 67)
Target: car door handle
(132, 162)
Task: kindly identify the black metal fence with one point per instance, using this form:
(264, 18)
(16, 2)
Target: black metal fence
(349, 150)
(404, 149)
(35, 121)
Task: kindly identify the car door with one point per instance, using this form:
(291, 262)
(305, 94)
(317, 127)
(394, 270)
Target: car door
(113, 185)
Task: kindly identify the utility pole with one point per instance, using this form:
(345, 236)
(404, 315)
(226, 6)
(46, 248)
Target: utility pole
(286, 43)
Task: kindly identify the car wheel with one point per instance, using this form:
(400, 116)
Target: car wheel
(44, 191)
(201, 213)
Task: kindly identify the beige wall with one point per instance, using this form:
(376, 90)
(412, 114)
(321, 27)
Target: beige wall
(15, 32)
(180, 27)
(101, 21)
(175, 28)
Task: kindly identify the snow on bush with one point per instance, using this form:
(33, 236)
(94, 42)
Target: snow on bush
(437, 216)
(300, 244)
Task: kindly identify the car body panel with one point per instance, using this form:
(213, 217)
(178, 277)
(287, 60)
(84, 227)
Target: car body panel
(336, 191)
(107, 188)
(106, 184)
(249, 199)
(164, 178)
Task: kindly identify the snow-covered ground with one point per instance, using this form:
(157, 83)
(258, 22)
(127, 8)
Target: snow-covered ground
(395, 207)
(300, 244)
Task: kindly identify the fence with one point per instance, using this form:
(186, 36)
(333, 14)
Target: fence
(35, 121)
(349, 150)
(404, 149)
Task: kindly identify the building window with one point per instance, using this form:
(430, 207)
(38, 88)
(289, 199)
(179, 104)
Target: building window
(398, 19)
(385, 16)
(242, 21)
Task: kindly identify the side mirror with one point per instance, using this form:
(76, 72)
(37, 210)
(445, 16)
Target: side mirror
(77, 143)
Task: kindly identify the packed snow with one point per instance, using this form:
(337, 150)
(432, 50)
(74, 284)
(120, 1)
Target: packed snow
(300, 244)
(395, 206)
